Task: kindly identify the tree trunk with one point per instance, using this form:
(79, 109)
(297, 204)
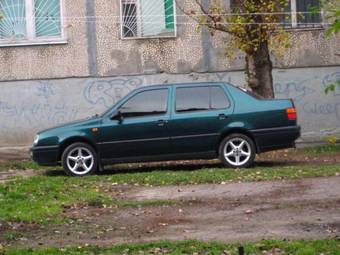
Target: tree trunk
(259, 71)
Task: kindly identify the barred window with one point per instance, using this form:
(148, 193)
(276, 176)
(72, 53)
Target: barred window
(148, 18)
(30, 21)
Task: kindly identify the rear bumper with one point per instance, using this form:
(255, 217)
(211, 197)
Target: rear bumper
(45, 155)
(276, 138)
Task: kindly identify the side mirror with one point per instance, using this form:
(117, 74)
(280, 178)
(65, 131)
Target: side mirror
(117, 116)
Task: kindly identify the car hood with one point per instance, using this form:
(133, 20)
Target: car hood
(81, 122)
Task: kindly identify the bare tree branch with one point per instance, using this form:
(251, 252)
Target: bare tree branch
(214, 25)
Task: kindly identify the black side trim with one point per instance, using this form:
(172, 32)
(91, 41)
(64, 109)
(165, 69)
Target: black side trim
(276, 129)
(159, 139)
(136, 140)
(50, 147)
(194, 136)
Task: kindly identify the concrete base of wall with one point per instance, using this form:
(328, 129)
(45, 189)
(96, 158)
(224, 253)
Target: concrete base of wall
(14, 153)
(29, 106)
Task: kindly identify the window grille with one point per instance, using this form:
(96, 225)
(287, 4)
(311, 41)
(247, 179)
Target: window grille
(148, 18)
(29, 21)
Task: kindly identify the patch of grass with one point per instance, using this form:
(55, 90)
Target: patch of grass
(329, 148)
(42, 199)
(331, 247)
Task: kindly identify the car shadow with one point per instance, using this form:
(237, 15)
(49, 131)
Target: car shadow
(270, 164)
(172, 166)
(147, 168)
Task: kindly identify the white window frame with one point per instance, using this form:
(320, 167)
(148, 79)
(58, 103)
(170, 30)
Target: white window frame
(31, 38)
(139, 36)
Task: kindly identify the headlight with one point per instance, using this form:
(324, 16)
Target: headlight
(36, 139)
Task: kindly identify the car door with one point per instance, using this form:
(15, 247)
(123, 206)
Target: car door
(141, 131)
(198, 115)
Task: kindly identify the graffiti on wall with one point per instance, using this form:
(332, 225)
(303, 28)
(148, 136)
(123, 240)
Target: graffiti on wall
(108, 92)
(41, 108)
(42, 104)
(312, 100)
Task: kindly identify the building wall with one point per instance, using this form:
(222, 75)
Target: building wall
(94, 49)
(42, 86)
(46, 103)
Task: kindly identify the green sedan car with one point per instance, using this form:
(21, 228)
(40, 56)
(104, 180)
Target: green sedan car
(172, 122)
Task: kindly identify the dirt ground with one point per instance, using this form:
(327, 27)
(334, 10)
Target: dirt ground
(234, 212)
(308, 209)
(12, 173)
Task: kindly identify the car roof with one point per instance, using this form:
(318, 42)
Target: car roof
(183, 84)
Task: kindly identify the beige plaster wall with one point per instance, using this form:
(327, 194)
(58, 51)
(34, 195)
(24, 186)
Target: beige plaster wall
(51, 61)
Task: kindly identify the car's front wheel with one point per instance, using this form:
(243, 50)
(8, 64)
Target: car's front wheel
(237, 151)
(79, 159)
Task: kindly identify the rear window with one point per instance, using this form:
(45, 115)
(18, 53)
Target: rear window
(201, 99)
(251, 93)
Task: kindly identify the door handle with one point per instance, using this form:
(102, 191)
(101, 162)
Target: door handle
(161, 123)
(222, 116)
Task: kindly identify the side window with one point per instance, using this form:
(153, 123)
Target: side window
(201, 99)
(219, 99)
(153, 102)
(192, 99)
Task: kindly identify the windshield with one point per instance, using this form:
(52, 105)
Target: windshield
(113, 106)
(105, 112)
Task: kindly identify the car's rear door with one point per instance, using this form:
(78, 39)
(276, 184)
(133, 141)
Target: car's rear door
(198, 114)
(143, 130)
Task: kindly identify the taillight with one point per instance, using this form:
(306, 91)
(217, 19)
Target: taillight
(291, 113)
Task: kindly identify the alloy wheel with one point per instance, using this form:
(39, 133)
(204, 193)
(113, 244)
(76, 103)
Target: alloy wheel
(237, 152)
(80, 160)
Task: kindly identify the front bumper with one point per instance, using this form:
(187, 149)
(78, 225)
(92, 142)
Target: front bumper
(276, 138)
(45, 155)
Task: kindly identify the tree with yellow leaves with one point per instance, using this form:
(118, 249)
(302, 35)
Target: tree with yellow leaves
(256, 28)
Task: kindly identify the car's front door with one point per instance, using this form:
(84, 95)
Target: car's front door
(198, 115)
(142, 129)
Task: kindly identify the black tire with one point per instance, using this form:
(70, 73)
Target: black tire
(244, 160)
(83, 164)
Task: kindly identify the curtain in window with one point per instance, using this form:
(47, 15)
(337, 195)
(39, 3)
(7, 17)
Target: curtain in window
(13, 21)
(47, 18)
(169, 14)
(143, 18)
(153, 17)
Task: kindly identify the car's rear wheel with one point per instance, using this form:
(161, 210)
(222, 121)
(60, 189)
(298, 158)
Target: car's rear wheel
(79, 159)
(237, 151)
